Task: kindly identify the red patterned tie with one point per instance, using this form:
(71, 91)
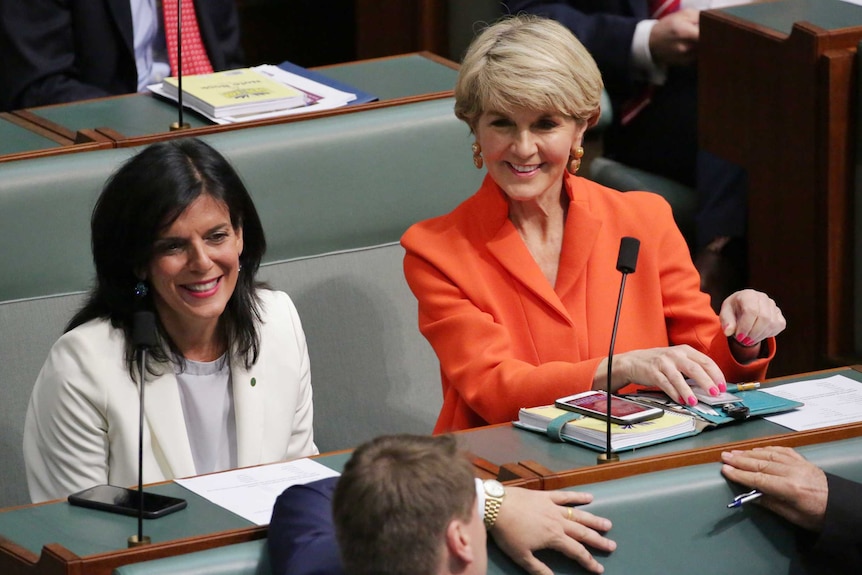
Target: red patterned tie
(657, 9)
(195, 60)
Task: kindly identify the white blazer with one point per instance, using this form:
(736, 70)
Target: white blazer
(81, 427)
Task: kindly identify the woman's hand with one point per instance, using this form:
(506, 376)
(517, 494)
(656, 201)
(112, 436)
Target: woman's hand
(666, 368)
(747, 318)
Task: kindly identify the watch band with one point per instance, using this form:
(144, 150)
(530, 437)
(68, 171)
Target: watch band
(494, 493)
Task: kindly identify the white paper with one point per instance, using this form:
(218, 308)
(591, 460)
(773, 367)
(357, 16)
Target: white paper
(324, 97)
(857, 2)
(828, 401)
(251, 492)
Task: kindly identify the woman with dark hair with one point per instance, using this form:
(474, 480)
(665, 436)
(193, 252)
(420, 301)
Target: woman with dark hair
(174, 231)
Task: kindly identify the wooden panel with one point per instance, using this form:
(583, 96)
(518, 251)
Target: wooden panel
(781, 107)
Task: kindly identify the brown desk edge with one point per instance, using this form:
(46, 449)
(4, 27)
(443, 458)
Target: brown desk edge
(547, 480)
(57, 560)
(48, 128)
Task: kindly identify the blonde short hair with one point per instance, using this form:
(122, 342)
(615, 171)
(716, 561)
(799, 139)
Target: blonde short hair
(527, 62)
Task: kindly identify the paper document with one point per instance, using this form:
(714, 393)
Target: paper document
(829, 401)
(319, 96)
(251, 492)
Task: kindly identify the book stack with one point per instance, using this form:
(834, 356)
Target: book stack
(235, 93)
(592, 432)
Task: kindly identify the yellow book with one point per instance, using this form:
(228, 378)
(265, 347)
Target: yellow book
(235, 93)
(592, 432)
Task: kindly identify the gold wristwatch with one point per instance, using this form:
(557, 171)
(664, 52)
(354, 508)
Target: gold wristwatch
(494, 493)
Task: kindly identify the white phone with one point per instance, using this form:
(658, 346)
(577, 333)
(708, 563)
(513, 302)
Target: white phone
(595, 404)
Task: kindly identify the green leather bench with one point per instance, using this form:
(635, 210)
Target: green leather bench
(335, 194)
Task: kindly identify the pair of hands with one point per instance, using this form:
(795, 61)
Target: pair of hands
(747, 318)
(532, 520)
(792, 487)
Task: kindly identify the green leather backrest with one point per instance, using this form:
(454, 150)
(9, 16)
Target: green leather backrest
(343, 182)
(673, 521)
(677, 521)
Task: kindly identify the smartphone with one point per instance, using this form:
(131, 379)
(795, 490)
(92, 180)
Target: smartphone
(595, 404)
(719, 399)
(125, 501)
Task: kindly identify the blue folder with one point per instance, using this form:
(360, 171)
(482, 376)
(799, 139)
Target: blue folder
(361, 97)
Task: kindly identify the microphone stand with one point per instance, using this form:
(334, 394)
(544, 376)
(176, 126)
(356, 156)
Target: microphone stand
(180, 124)
(626, 263)
(144, 335)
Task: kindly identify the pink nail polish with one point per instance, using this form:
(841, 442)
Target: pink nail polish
(748, 341)
(740, 337)
(681, 400)
(692, 400)
(713, 391)
(722, 387)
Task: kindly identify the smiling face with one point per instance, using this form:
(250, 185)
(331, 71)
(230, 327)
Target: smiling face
(194, 269)
(526, 152)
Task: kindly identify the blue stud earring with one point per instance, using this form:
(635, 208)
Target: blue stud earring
(141, 290)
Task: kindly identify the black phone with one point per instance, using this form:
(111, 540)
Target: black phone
(125, 501)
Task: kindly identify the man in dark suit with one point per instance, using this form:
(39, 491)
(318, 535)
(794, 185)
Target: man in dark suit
(53, 52)
(648, 66)
(302, 533)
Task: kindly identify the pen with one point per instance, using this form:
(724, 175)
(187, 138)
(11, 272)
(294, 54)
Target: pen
(734, 387)
(742, 498)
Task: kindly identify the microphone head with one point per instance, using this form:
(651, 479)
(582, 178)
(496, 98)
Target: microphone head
(627, 260)
(144, 333)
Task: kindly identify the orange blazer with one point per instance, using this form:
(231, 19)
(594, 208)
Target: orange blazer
(507, 339)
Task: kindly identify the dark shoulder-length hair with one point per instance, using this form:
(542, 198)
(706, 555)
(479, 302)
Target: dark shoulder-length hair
(146, 195)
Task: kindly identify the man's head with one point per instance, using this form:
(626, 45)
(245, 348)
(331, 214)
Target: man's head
(407, 505)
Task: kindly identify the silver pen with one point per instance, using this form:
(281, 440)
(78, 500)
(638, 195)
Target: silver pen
(743, 498)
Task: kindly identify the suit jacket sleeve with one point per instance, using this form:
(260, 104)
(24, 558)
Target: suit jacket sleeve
(66, 442)
(838, 546)
(219, 24)
(605, 28)
(302, 534)
(39, 64)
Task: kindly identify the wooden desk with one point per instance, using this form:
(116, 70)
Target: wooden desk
(546, 464)
(141, 119)
(776, 96)
(58, 539)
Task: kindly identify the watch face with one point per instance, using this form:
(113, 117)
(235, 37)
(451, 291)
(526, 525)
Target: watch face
(494, 488)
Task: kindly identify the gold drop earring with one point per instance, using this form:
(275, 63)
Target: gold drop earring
(575, 161)
(477, 155)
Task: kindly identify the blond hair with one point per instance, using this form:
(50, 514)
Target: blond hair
(527, 62)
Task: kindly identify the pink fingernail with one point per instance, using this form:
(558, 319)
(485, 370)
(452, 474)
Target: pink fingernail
(713, 391)
(740, 337)
(681, 400)
(692, 400)
(748, 341)
(722, 387)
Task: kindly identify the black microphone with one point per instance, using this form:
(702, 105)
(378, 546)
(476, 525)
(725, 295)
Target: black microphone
(144, 336)
(180, 124)
(627, 261)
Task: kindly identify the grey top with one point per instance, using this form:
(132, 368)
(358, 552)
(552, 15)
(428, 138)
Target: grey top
(207, 399)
